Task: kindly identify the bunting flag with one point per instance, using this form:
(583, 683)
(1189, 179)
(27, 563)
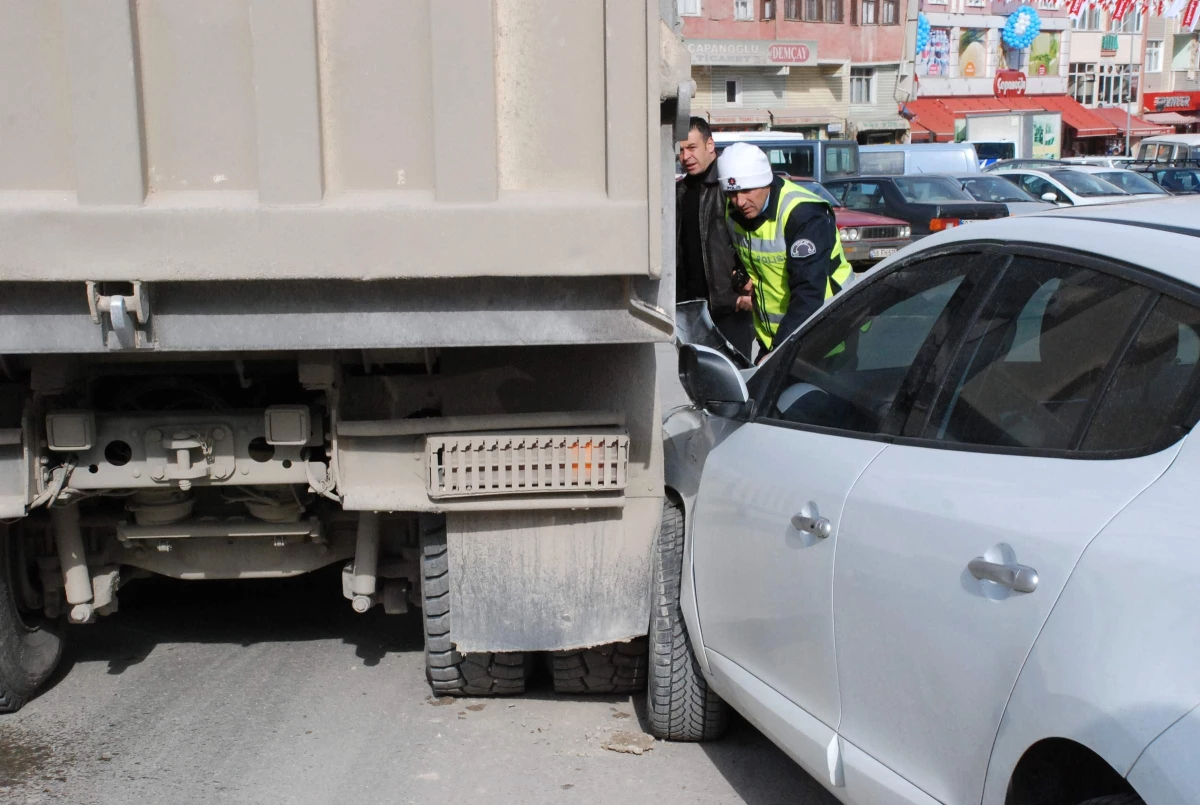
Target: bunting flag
(1175, 9)
(1121, 9)
(1076, 8)
(1189, 15)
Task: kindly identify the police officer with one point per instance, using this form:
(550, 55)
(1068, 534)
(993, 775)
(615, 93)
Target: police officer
(786, 239)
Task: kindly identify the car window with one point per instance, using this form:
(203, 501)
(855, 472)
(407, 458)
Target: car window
(1132, 182)
(930, 189)
(864, 196)
(882, 163)
(1035, 357)
(1085, 184)
(848, 367)
(819, 189)
(1147, 402)
(1037, 187)
(993, 188)
(840, 160)
(794, 160)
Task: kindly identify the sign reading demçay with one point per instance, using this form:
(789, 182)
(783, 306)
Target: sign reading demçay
(1009, 83)
(751, 53)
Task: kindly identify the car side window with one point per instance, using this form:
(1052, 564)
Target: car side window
(864, 196)
(838, 191)
(1036, 357)
(1037, 187)
(848, 367)
(1150, 397)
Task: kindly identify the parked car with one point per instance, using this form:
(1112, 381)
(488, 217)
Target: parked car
(900, 159)
(1100, 162)
(927, 203)
(866, 238)
(1173, 148)
(1132, 182)
(1022, 164)
(794, 155)
(1177, 181)
(983, 187)
(940, 546)
(1066, 187)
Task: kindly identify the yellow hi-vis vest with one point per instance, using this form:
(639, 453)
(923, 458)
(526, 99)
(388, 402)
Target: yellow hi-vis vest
(764, 253)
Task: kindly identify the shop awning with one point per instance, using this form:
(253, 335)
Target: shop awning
(878, 123)
(802, 117)
(739, 117)
(932, 118)
(1137, 126)
(1171, 119)
(1086, 122)
(974, 104)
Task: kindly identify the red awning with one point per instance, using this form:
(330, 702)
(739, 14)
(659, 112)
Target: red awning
(1171, 119)
(933, 118)
(1137, 126)
(974, 104)
(1085, 121)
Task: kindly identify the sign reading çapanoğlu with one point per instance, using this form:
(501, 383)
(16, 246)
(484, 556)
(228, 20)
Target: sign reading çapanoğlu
(751, 53)
(1009, 83)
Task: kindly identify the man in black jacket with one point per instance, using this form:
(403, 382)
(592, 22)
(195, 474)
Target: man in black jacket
(704, 258)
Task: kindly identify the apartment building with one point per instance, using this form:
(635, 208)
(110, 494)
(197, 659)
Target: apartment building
(826, 68)
(1172, 70)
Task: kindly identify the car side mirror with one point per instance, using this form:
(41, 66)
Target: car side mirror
(1051, 197)
(712, 381)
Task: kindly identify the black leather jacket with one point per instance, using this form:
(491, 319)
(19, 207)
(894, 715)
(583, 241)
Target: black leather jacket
(719, 258)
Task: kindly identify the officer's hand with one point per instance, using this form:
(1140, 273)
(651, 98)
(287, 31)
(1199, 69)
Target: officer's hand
(743, 303)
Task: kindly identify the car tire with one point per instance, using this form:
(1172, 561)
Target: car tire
(680, 706)
(30, 644)
(1115, 799)
(610, 668)
(451, 673)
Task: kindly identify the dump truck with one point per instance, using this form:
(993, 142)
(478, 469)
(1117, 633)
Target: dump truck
(292, 284)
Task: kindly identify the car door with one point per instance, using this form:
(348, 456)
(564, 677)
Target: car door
(770, 500)
(959, 537)
(1037, 187)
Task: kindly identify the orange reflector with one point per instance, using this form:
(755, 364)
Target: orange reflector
(938, 224)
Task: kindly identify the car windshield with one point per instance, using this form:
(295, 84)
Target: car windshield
(1086, 185)
(922, 189)
(993, 188)
(794, 160)
(1181, 181)
(1132, 182)
(819, 189)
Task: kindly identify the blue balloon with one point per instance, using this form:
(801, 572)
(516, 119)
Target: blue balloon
(1021, 39)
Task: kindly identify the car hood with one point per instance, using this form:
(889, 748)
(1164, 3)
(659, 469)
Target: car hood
(848, 217)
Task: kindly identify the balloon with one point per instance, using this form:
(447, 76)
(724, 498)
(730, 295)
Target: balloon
(1022, 28)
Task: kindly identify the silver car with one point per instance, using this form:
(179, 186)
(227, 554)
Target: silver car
(942, 546)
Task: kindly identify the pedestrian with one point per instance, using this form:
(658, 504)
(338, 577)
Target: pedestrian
(787, 240)
(704, 258)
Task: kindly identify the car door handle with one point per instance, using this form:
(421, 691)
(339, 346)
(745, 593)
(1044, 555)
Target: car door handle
(808, 519)
(1018, 578)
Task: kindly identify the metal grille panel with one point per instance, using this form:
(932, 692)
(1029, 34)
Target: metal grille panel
(880, 232)
(476, 465)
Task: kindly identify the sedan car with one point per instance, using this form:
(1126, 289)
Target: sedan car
(1066, 186)
(1132, 182)
(866, 238)
(927, 203)
(1022, 164)
(1001, 191)
(1176, 181)
(940, 546)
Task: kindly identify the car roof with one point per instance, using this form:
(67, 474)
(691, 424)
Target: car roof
(1093, 169)
(1160, 234)
(1177, 139)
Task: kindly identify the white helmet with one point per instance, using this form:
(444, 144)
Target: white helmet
(743, 166)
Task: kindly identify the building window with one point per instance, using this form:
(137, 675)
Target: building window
(869, 12)
(810, 10)
(791, 9)
(814, 10)
(1154, 55)
(1115, 84)
(742, 10)
(768, 9)
(831, 11)
(688, 8)
(891, 12)
(862, 85)
(976, 3)
(1131, 23)
(733, 92)
(1088, 20)
(1081, 83)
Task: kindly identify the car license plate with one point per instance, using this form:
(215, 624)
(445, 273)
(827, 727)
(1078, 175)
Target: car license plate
(878, 253)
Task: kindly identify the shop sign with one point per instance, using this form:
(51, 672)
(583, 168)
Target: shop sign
(751, 52)
(1009, 83)
(1172, 101)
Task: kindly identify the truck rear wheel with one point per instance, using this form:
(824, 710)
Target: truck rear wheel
(450, 672)
(611, 668)
(30, 644)
(679, 704)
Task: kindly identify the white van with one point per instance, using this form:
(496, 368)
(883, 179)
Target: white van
(1170, 148)
(792, 154)
(896, 160)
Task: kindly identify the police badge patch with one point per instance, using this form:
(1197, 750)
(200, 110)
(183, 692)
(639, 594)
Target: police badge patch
(803, 248)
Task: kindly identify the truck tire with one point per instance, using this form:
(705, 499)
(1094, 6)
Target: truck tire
(451, 673)
(679, 704)
(30, 645)
(611, 668)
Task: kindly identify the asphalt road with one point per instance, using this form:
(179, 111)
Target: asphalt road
(276, 692)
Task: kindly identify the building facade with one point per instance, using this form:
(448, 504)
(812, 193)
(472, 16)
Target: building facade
(1088, 69)
(1172, 70)
(825, 68)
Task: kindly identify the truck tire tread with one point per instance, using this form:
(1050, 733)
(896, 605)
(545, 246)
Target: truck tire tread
(450, 672)
(610, 668)
(30, 646)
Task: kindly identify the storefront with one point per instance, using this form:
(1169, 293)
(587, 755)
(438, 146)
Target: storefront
(1178, 110)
